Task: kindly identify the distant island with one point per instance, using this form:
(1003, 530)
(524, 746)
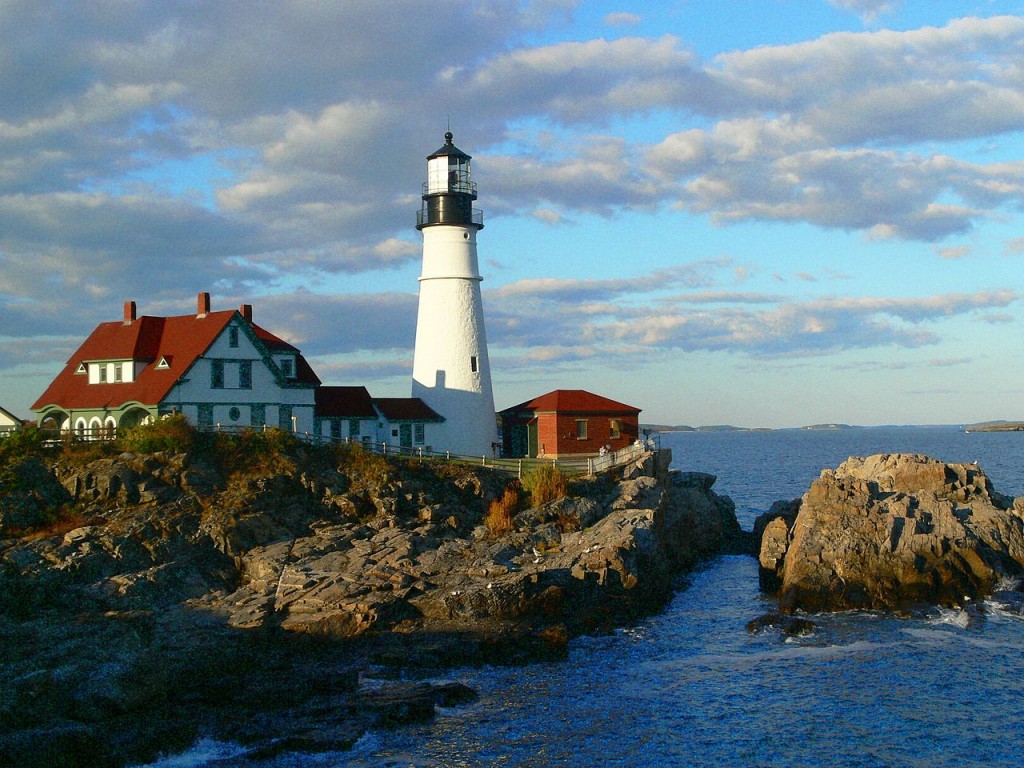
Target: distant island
(685, 428)
(729, 428)
(996, 426)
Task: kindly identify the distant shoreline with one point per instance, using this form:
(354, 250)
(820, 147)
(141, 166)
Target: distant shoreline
(988, 426)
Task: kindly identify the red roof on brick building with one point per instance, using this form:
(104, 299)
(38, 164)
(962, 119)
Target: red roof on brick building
(573, 401)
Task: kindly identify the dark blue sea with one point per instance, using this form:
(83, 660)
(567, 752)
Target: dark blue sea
(691, 687)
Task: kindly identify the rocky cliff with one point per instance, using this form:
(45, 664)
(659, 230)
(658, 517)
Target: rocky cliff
(146, 598)
(892, 531)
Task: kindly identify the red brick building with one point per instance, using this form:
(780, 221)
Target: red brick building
(567, 422)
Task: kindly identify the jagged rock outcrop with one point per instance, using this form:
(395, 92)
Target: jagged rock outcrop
(603, 555)
(258, 596)
(892, 531)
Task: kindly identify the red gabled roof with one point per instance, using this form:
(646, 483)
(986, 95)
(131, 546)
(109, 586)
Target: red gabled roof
(180, 340)
(405, 409)
(344, 402)
(573, 401)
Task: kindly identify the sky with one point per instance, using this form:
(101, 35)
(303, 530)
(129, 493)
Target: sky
(767, 213)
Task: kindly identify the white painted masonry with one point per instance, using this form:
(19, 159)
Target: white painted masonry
(451, 368)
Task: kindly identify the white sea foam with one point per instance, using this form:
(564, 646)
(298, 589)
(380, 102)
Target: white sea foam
(202, 753)
(955, 617)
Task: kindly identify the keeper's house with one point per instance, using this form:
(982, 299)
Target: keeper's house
(218, 368)
(567, 422)
(213, 367)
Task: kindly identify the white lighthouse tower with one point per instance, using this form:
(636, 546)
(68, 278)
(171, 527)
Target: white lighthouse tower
(451, 372)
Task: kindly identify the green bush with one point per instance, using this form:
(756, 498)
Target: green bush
(254, 451)
(544, 483)
(21, 445)
(168, 433)
(365, 469)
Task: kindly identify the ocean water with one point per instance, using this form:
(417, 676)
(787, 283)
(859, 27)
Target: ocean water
(691, 687)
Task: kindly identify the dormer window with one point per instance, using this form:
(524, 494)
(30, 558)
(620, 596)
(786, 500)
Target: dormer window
(287, 369)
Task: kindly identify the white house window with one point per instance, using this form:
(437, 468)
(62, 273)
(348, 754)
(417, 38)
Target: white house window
(103, 374)
(472, 364)
(419, 434)
(581, 429)
(234, 414)
(353, 428)
(286, 367)
(233, 336)
(217, 374)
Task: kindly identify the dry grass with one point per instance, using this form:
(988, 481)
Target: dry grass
(501, 511)
(67, 520)
(545, 483)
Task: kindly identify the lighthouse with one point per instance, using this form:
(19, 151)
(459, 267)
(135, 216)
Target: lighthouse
(451, 372)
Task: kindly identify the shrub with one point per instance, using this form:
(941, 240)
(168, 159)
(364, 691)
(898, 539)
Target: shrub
(21, 445)
(545, 483)
(365, 469)
(168, 433)
(259, 451)
(500, 511)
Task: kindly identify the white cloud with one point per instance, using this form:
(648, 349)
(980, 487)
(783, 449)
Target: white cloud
(866, 9)
(317, 117)
(622, 19)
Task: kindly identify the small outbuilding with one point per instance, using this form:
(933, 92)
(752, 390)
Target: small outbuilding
(9, 422)
(567, 422)
(401, 422)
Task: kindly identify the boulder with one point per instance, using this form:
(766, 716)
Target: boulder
(30, 496)
(894, 531)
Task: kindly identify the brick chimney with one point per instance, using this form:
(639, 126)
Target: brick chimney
(129, 312)
(246, 312)
(204, 304)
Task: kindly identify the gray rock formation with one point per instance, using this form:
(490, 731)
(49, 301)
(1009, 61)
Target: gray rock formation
(892, 531)
(256, 598)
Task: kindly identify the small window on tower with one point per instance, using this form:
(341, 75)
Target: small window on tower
(472, 363)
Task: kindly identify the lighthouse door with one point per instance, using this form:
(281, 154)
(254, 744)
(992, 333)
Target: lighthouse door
(405, 435)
